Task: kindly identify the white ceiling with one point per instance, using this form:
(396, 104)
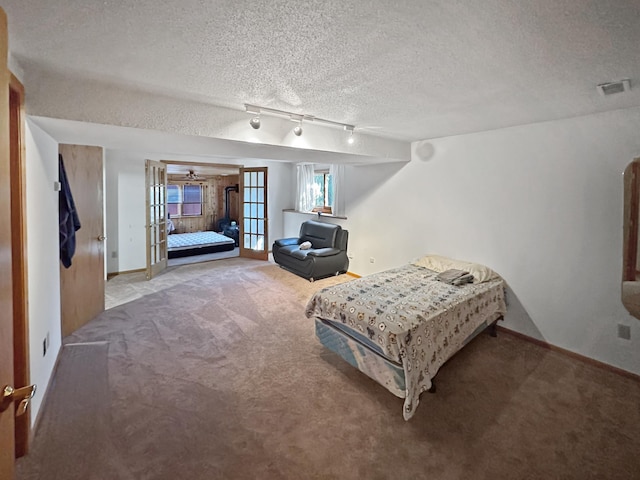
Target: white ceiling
(408, 70)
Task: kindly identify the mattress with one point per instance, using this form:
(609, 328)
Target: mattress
(182, 241)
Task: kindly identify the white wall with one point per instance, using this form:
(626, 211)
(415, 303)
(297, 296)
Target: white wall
(125, 211)
(541, 204)
(125, 203)
(43, 257)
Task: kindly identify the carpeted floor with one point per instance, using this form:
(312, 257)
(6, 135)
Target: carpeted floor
(217, 375)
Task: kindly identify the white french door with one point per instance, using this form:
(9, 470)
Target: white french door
(254, 238)
(156, 181)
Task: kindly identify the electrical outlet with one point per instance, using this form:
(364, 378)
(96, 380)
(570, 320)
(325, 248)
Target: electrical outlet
(624, 331)
(114, 254)
(372, 260)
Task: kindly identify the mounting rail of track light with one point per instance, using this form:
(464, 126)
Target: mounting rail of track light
(295, 117)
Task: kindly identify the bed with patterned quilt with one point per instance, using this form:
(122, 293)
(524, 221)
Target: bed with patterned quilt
(197, 243)
(401, 325)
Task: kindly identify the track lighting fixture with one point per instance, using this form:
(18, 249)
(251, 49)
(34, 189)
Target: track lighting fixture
(255, 122)
(350, 129)
(296, 117)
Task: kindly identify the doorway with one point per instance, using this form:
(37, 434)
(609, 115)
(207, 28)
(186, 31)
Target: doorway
(202, 198)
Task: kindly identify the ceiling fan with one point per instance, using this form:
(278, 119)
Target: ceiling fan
(192, 175)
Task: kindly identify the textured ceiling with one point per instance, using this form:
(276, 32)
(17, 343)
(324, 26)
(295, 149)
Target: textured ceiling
(408, 70)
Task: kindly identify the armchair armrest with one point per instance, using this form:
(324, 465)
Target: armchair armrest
(283, 242)
(324, 252)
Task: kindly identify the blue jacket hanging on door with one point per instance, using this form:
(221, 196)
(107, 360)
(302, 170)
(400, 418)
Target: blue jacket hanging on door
(69, 222)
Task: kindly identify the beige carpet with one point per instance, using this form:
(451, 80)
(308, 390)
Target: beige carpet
(217, 375)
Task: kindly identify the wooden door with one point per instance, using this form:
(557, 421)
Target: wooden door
(82, 285)
(156, 183)
(254, 238)
(7, 445)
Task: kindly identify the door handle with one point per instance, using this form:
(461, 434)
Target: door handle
(101, 238)
(22, 395)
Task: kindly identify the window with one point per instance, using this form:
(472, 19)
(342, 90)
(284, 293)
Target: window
(184, 200)
(322, 192)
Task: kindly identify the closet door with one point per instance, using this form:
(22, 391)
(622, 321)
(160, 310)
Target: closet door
(254, 238)
(82, 284)
(156, 182)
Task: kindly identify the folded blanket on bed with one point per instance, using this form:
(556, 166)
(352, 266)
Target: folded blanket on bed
(455, 277)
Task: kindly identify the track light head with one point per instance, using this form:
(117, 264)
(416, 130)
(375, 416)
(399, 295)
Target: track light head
(298, 130)
(255, 122)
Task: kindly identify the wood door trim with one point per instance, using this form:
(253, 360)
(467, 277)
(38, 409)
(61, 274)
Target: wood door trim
(200, 164)
(19, 256)
(7, 457)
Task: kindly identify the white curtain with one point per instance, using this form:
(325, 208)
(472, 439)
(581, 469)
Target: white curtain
(304, 191)
(337, 176)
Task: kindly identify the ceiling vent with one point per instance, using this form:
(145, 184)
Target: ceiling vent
(614, 87)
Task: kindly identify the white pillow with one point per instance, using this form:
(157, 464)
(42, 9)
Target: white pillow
(305, 245)
(439, 264)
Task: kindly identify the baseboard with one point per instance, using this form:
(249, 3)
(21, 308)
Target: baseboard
(36, 423)
(355, 275)
(569, 353)
(115, 274)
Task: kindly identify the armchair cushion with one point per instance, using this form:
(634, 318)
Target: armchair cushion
(324, 252)
(283, 242)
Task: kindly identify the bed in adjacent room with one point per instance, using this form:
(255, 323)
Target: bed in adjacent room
(401, 325)
(197, 243)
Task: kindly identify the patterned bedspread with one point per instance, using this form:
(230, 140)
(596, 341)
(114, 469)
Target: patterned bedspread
(177, 241)
(415, 319)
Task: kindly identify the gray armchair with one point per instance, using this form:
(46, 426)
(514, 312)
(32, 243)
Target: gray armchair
(327, 255)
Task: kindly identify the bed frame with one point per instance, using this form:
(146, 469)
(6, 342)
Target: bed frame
(370, 362)
(401, 325)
